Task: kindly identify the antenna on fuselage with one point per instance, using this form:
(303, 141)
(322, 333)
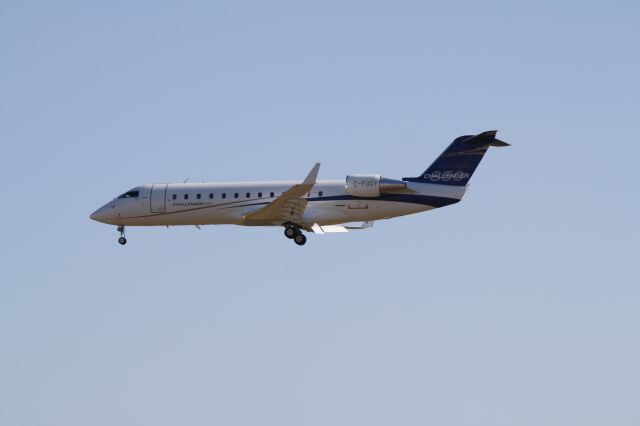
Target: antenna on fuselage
(186, 180)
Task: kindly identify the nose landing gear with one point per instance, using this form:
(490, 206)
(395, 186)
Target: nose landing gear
(122, 240)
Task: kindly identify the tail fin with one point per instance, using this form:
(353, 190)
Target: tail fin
(458, 162)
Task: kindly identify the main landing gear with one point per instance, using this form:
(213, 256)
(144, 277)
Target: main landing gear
(122, 240)
(293, 233)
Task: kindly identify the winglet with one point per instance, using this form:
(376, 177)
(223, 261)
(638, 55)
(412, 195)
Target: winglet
(312, 176)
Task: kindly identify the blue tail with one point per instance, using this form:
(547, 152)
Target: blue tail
(456, 164)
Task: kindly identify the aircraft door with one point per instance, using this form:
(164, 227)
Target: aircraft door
(158, 197)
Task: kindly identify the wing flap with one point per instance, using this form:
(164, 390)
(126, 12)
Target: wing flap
(326, 229)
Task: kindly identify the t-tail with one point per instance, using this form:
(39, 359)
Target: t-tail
(456, 164)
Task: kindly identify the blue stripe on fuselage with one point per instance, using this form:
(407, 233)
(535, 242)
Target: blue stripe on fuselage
(427, 200)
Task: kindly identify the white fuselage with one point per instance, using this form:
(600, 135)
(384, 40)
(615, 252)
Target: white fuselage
(227, 203)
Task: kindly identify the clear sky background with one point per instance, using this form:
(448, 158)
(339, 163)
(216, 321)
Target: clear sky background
(517, 306)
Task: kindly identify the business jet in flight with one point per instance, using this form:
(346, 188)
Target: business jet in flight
(311, 205)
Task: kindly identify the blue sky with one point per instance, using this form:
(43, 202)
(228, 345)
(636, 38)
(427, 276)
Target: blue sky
(517, 306)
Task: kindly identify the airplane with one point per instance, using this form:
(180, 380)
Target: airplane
(324, 206)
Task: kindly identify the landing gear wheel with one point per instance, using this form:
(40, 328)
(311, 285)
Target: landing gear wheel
(290, 232)
(122, 240)
(300, 239)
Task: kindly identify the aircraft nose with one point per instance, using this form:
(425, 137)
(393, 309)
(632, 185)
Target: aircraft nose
(95, 215)
(100, 215)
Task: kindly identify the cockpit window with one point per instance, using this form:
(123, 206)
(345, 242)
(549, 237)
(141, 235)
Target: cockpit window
(130, 194)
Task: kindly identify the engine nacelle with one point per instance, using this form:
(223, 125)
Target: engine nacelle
(372, 185)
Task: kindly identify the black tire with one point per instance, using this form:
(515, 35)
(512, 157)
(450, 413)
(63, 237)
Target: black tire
(290, 232)
(300, 239)
(122, 240)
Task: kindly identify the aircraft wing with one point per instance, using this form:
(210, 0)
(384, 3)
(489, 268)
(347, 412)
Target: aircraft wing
(339, 228)
(288, 207)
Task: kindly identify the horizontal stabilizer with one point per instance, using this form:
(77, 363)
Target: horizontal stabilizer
(487, 138)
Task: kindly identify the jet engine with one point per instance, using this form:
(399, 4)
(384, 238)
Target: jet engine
(372, 185)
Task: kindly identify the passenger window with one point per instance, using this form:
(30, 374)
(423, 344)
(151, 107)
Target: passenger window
(186, 196)
(211, 195)
(174, 196)
(224, 195)
(248, 194)
(198, 196)
(271, 194)
(235, 195)
(259, 194)
(320, 194)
